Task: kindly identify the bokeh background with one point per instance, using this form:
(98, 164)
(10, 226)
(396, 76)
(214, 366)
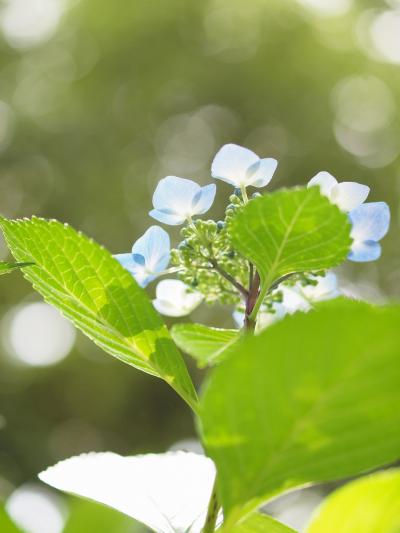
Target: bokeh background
(98, 101)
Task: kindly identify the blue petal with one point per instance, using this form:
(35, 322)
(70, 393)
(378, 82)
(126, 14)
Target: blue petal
(167, 218)
(139, 259)
(361, 252)
(260, 174)
(175, 194)
(126, 260)
(370, 221)
(154, 247)
(231, 164)
(137, 270)
(205, 199)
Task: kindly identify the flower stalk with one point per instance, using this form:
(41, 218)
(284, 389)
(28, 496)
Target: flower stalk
(212, 511)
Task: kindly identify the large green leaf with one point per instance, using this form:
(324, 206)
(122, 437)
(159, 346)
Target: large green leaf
(315, 397)
(289, 231)
(6, 268)
(261, 523)
(207, 345)
(368, 505)
(101, 298)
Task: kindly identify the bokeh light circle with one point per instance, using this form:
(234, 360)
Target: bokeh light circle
(38, 335)
(36, 510)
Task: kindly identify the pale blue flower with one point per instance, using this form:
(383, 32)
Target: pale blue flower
(176, 200)
(370, 223)
(241, 167)
(346, 195)
(149, 257)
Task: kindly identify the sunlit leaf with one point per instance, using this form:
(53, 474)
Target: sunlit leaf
(289, 231)
(261, 523)
(367, 505)
(315, 397)
(101, 298)
(207, 345)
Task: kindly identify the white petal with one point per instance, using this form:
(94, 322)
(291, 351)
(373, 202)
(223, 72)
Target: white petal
(325, 289)
(173, 298)
(266, 319)
(167, 492)
(205, 199)
(167, 217)
(175, 195)
(231, 164)
(168, 308)
(294, 300)
(348, 195)
(260, 174)
(171, 289)
(324, 181)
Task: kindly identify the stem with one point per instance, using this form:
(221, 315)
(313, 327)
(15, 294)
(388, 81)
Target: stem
(212, 511)
(251, 300)
(171, 270)
(266, 290)
(258, 303)
(251, 275)
(215, 265)
(244, 194)
(229, 278)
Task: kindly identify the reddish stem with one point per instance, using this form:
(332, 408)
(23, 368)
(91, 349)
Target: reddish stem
(251, 300)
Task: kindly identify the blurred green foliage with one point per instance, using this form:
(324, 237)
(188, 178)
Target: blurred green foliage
(121, 95)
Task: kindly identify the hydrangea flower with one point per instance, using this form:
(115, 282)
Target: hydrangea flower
(174, 298)
(150, 256)
(346, 195)
(295, 298)
(177, 200)
(301, 298)
(167, 492)
(241, 167)
(370, 224)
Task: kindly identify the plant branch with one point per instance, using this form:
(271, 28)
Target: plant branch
(212, 511)
(249, 321)
(216, 266)
(229, 278)
(267, 289)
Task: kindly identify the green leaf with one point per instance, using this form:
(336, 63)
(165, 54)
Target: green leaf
(99, 296)
(85, 517)
(315, 397)
(6, 268)
(261, 523)
(207, 345)
(367, 505)
(6, 524)
(291, 231)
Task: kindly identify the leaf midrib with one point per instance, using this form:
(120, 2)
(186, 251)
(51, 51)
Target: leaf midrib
(300, 424)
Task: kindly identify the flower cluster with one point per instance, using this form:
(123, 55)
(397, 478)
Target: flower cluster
(207, 265)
